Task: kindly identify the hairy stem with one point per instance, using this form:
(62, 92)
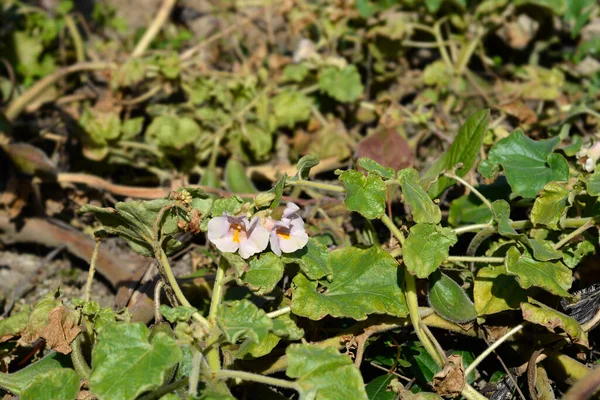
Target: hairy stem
(213, 355)
(92, 270)
(277, 313)
(317, 185)
(79, 363)
(490, 349)
(249, 376)
(491, 260)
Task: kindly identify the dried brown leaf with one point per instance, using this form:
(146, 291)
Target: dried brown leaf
(450, 381)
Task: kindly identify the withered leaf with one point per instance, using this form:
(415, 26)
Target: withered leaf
(450, 381)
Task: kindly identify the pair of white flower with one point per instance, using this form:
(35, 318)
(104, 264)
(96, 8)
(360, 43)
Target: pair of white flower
(231, 234)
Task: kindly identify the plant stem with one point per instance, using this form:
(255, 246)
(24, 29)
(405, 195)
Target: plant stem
(393, 228)
(490, 349)
(317, 185)
(277, 313)
(172, 282)
(472, 189)
(160, 392)
(77, 42)
(79, 363)
(159, 20)
(213, 356)
(413, 310)
(92, 270)
(567, 223)
(471, 228)
(17, 105)
(491, 260)
(249, 376)
(571, 235)
(195, 374)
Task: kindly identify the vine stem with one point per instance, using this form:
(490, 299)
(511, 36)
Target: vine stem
(160, 392)
(472, 189)
(249, 376)
(195, 374)
(277, 313)
(18, 105)
(567, 223)
(571, 235)
(79, 363)
(393, 228)
(490, 349)
(92, 270)
(213, 356)
(161, 17)
(317, 185)
(491, 260)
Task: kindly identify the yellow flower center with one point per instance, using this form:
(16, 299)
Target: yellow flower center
(236, 233)
(285, 236)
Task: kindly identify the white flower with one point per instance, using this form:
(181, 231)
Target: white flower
(231, 234)
(287, 235)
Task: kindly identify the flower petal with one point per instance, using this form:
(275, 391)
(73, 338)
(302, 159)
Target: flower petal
(226, 244)
(291, 243)
(218, 227)
(291, 211)
(256, 241)
(275, 243)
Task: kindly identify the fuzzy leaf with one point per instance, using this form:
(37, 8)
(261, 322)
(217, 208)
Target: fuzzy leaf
(324, 373)
(426, 248)
(62, 383)
(554, 277)
(264, 273)
(177, 314)
(543, 315)
(593, 183)
(291, 107)
(495, 291)
(422, 207)
(365, 195)
(528, 164)
(342, 84)
(551, 205)
(242, 319)
(464, 149)
(374, 167)
(304, 165)
(173, 132)
(119, 353)
(449, 300)
(313, 259)
(365, 281)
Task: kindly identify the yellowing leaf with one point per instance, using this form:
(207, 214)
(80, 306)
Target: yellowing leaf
(541, 314)
(364, 194)
(495, 291)
(426, 248)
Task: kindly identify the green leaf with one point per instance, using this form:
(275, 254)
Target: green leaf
(374, 167)
(323, 373)
(62, 383)
(285, 326)
(14, 324)
(554, 277)
(464, 149)
(236, 179)
(421, 364)
(449, 300)
(259, 140)
(17, 381)
(593, 183)
(129, 73)
(304, 165)
(264, 273)
(242, 319)
(133, 221)
(295, 72)
(131, 128)
(495, 291)
(377, 388)
(543, 315)
(126, 363)
(558, 7)
(579, 12)
(231, 204)
(100, 127)
(342, 84)
(551, 205)
(313, 259)
(574, 252)
(528, 164)
(173, 132)
(177, 314)
(365, 281)
(542, 250)
(422, 207)
(291, 107)
(365, 195)
(426, 248)
(469, 209)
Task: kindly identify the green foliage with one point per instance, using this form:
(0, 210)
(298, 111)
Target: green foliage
(242, 319)
(528, 164)
(449, 300)
(324, 374)
(365, 281)
(494, 290)
(173, 132)
(120, 350)
(422, 207)
(364, 194)
(464, 149)
(343, 84)
(426, 248)
(61, 383)
(291, 107)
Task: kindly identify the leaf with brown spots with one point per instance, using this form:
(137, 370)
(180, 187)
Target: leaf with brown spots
(450, 381)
